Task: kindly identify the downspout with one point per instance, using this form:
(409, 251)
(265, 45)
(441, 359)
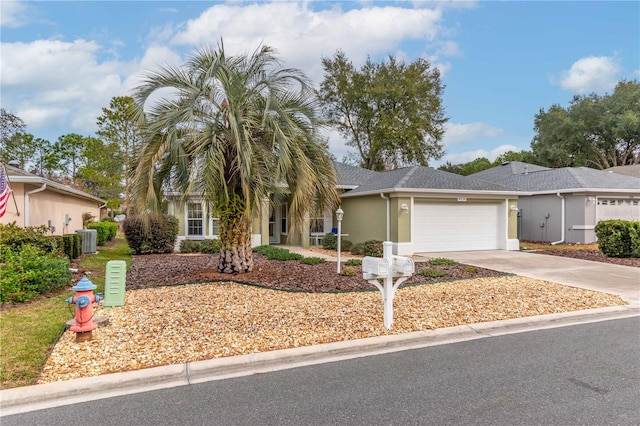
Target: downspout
(27, 216)
(388, 214)
(561, 221)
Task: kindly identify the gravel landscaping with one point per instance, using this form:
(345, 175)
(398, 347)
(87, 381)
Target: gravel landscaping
(165, 322)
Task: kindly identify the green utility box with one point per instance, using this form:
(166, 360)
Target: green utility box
(115, 280)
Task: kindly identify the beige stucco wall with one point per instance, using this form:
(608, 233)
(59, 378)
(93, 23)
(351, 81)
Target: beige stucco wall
(512, 223)
(49, 208)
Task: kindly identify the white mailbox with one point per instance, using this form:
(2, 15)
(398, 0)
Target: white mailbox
(374, 267)
(402, 265)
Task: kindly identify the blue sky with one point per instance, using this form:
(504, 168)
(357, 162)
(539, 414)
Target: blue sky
(501, 62)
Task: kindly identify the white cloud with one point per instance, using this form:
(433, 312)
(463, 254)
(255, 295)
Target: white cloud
(12, 13)
(460, 133)
(465, 157)
(51, 82)
(591, 74)
(303, 35)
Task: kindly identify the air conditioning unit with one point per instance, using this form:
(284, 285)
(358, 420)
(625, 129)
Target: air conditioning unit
(89, 240)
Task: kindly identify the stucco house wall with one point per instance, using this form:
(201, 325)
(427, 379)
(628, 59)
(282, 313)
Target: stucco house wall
(53, 207)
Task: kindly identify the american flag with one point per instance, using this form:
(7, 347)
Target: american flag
(4, 192)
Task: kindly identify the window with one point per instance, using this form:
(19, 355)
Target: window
(283, 219)
(195, 219)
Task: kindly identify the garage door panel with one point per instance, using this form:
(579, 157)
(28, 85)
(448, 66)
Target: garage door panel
(456, 226)
(613, 208)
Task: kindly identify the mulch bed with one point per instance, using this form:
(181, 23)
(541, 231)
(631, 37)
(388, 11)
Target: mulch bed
(148, 271)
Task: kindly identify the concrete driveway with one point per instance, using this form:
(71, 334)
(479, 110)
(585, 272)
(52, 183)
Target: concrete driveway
(623, 281)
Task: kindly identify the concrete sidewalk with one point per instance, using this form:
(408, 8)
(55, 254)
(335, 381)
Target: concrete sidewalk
(623, 281)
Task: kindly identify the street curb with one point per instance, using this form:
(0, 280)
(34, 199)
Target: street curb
(36, 397)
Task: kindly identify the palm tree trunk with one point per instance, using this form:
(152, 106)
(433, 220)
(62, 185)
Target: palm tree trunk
(236, 255)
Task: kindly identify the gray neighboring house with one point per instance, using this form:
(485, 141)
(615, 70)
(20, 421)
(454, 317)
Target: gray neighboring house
(564, 205)
(632, 170)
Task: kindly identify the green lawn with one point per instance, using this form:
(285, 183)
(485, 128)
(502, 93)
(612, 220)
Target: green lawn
(28, 331)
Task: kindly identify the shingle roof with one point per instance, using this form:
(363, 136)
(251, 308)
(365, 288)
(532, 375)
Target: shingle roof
(529, 177)
(422, 178)
(633, 170)
(347, 175)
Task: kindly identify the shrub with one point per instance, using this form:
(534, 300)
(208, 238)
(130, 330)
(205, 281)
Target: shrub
(330, 241)
(357, 249)
(614, 237)
(277, 253)
(69, 243)
(13, 237)
(31, 271)
(345, 245)
(634, 234)
(312, 260)
(353, 262)
(470, 270)
(106, 231)
(443, 261)
(158, 237)
(349, 271)
(210, 246)
(372, 248)
(189, 246)
(77, 245)
(432, 273)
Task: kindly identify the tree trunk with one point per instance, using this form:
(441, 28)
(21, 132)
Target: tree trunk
(236, 255)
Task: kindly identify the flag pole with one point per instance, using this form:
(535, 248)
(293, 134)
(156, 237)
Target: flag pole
(4, 167)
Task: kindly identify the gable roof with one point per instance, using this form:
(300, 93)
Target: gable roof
(422, 179)
(529, 177)
(21, 176)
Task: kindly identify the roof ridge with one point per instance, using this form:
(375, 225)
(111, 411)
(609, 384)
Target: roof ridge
(574, 174)
(406, 177)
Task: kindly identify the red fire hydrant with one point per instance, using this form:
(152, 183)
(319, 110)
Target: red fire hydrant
(84, 300)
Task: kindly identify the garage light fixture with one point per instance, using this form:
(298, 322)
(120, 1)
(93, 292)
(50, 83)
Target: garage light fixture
(404, 208)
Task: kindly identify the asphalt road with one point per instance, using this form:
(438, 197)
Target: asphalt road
(586, 374)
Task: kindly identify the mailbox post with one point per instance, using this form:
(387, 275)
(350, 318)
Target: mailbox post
(387, 268)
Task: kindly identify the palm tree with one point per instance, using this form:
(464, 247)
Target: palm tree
(239, 130)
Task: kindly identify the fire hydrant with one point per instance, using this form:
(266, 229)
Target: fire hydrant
(84, 300)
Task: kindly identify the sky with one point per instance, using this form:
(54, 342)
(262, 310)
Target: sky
(501, 62)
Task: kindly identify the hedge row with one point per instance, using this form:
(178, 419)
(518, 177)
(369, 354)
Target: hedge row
(106, 231)
(209, 246)
(618, 238)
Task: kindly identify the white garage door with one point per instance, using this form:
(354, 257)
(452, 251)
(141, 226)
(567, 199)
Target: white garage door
(456, 226)
(616, 208)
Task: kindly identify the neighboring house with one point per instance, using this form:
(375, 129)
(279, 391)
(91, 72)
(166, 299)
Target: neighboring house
(564, 205)
(633, 170)
(40, 201)
(418, 208)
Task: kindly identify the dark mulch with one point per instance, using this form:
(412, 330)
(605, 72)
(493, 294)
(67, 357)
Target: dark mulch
(593, 255)
(170, 269)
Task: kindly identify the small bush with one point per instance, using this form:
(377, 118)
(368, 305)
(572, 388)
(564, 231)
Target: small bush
(13, 237)
(330, 241)
(189, 246)
(442, 261)
(470, 270)
(312, 260)
(615, 237)
(210, 246)
(277, 253)
(345, 245)
(26, 273)
(357, 249)
(158, 237)
(354, 262)
(349, 271)
(432, 273)
(372, 248)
